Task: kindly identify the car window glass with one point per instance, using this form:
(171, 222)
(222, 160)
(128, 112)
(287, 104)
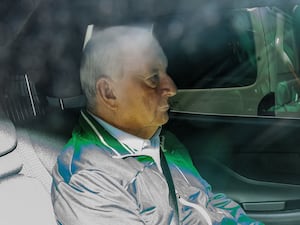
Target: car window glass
(217, 54)
(244, 63)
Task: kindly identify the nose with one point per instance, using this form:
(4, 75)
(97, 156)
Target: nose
(168, 86)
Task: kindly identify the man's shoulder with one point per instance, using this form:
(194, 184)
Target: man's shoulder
(83, 153)
(173, 146)
(176, 152)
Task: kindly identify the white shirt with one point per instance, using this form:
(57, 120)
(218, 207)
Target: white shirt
(135, 145)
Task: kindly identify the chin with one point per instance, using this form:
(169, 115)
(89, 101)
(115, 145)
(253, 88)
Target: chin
(164, 119)
(161, 119)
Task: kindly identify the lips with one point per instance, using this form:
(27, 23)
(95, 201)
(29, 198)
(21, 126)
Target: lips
(164, 108)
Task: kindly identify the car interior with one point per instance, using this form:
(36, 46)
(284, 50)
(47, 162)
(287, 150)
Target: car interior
(252, 159)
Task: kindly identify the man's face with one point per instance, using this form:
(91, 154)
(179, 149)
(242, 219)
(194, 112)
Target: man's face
(144, 90)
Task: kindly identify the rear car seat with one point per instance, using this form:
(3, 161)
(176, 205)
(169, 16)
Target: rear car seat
(30, 142)
(24, 199)
(40, 142)
(42, 127)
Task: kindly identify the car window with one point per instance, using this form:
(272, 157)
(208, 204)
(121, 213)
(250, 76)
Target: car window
(226, 61)
(243, 63)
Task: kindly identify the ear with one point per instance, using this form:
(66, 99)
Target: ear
(105, 91)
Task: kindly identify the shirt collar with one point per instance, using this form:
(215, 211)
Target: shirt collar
(132, 143)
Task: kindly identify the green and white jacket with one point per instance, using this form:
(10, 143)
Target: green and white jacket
(97, 181)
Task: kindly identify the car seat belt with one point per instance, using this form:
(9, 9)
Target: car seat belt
(172, 194)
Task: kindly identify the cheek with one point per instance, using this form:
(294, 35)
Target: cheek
(141, 101)
(150, 103)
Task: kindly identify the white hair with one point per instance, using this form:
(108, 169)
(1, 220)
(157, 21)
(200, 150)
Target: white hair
(104, 55)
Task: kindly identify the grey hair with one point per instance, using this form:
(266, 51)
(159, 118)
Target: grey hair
(104, 55)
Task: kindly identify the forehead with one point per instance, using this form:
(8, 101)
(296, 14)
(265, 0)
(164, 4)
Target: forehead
(142, 58)
(144, 63)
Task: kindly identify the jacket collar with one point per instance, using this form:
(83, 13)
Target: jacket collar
(120, 143)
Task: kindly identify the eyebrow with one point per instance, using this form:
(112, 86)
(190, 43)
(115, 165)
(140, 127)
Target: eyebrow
(153, 71)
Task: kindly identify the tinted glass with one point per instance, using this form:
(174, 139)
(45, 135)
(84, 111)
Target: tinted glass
(211, 54)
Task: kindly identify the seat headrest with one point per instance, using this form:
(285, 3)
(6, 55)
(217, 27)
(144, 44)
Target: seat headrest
(73, 102)
(10, 162)
(70, 97)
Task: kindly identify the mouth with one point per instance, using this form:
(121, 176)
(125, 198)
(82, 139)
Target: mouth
(164, 108)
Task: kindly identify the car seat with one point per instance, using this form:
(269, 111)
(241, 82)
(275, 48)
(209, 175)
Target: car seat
(41, 132)
(23, 199)
(31, 136)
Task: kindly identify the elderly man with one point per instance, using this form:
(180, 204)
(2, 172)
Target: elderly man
(117, 168)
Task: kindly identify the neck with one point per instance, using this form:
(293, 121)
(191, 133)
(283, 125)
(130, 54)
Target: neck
(143, 132)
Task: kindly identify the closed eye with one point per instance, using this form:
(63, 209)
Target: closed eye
(153, 80)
